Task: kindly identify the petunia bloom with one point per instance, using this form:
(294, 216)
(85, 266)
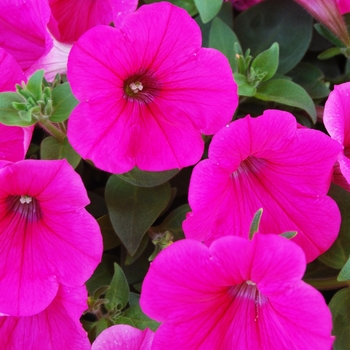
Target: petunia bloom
(72, 18)
(266, 162)
(337, 123)
(236, 294)
(55, 328)
(150, 92)
(328, 13)
(47, 236)
(122, 336)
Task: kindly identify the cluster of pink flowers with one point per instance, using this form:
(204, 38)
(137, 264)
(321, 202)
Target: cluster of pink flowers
(144, 101)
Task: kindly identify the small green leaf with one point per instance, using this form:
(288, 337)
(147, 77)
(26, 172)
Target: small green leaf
(133, 209)
(100, 326)
(142, 247)
(267, 62)
(222, 38)
(208, 9)
(35, 84)
(124, 320)
(8, 114)
(254, 226)
(51, 148)
(141, 178)
(289, 234)
(331, 52)
(340, 306)
(139, 319)
(244, 88)
(63, 102)
(288, 93)
(118, 291)
(344, 274)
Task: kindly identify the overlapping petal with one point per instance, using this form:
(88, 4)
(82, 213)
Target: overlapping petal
(178, 98)
(46, 237)
(266, 163)
(236, 294)
(55, 328)
(23, 31)
(123, 336)
(337, 123)
(71, 19)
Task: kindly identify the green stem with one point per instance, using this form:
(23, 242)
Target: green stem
(326, 283)
(45, 123)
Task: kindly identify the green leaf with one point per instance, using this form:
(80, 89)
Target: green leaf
(139, 319)
(340, 306)
(103, 274)
(331, 52)
(142, 247)
(173, 222)
(344, 274)
(208, 9)
(124, 320)
(289, 234)
(188, 5)
(133, 209)
(244, 88)
(267, 62)
(8, 114)
(288, 93)
(326, 33)
(311, 79)
(222, 38)
(281, 21)
(254, 226)
(35, 84)
(63, 102)
(51, 148)
(141, 178)
(339, 252)
(118, 292)
(110, 238)
(100, 326)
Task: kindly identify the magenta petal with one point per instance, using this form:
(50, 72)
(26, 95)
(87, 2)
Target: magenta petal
(10, 72)
(233, 295)
(23, 32)
(14, 142)
(123, 336)
(336, 121)
(55, 328)
(176, 89)
(41, 217)
(71, 19)
(258, 163)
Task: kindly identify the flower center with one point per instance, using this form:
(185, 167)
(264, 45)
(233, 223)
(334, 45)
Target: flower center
(25, 206)
(251, 165)
(248, 292)
(142, 87)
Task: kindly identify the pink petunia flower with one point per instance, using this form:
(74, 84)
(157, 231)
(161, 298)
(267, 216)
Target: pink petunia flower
(14, 140)
(337, 123)
(266, 162)
(72, 18)
(55, 328)
(328, 13)
(150, 92)
(236, 294)
(47, 236)
(122, 336)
